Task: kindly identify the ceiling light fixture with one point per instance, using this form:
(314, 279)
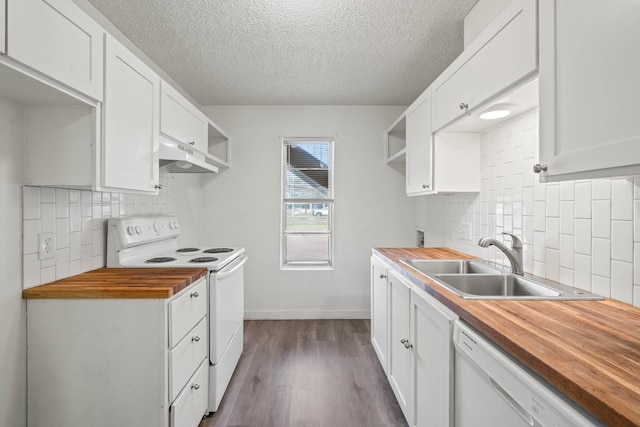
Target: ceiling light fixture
(497, 111)
(184, 165)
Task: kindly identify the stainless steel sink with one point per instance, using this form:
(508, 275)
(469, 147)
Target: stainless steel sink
(509, 286)
(473, 279)
(447, 266)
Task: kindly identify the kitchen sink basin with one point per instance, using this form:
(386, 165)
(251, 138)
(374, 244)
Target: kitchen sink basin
(447, 266)
(509, 286)
(473, 279)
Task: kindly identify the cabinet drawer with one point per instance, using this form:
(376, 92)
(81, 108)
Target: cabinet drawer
(185, 358)
(181, 120)
(186, 310)
(190, 406)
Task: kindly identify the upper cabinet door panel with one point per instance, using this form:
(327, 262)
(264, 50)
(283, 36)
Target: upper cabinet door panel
(419, 144)
(181, 120)
(503, 55)
(131, 121)
(58, 39)
(3, 26)
(589, 87)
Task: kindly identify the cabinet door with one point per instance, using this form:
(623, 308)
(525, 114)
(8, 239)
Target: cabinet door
(419, 143)
(431, 361)
(399, 345)
(589, 84)
(503, 55)
(3, 26)
(131, 116)
(58, 39)
(181, 120)
(379, 311)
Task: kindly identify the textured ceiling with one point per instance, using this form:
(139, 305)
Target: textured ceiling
(306, 52)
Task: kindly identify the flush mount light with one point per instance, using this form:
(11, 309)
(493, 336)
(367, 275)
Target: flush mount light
(497, 111)
(184, 165)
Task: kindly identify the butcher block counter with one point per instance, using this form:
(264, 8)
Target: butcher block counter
(589, 350)
(119, 283)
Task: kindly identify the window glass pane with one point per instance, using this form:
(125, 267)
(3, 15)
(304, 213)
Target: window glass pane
(307, 248)
(307, 170)
(301, 217)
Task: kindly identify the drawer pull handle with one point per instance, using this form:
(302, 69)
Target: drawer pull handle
(406, 343)
(382, 276)
(464, 106)
(195, 386)
(195, 295)
(192, 143)
(196, 338)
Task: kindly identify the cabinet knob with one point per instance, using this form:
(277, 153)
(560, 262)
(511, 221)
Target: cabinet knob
(382, 276)
(406, 343)
(195, 386)
(195, 295)
(425, 185)
(537, 168)
(196, 338)
(464, 106)
(158, 186)
(192, 143)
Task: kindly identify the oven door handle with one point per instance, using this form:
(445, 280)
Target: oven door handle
(228, 270)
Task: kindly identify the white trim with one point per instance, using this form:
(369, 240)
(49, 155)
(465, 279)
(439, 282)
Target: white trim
(306, 314)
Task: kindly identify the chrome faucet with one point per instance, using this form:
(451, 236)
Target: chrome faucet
(514, 254)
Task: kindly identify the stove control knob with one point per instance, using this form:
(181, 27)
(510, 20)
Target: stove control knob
(156, 227)
(172, 225)
(130, 230)
(138, 229)
(177, 225)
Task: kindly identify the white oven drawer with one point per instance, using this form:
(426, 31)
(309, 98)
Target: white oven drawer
(190, 406)
(186, 356)
(186, 310)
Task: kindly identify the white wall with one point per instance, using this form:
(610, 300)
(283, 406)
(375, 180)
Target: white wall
(13, 362)
(242, 206)
(583, 233)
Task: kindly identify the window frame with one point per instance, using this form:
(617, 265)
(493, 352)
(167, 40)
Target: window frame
(329, 202)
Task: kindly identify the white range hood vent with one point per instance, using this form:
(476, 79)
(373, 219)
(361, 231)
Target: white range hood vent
(176, 157)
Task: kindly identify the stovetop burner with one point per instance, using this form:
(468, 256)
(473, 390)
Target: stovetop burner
(217, 250)
(160, 259)
(204, 259)
(182, 250)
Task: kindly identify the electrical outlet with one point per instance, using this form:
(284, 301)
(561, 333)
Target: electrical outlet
(465, 230)
(46, 245)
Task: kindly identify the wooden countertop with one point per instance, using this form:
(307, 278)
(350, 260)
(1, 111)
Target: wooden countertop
(589, 350)
(119, 283)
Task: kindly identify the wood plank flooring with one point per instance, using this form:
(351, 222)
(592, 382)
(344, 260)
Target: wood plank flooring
(307, 373)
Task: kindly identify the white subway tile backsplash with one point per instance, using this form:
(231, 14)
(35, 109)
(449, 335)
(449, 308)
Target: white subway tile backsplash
(78, 220)
(622, 199)
(622, 281)
(31, 203)
(622, 241)
(601, 219)
(581, 233)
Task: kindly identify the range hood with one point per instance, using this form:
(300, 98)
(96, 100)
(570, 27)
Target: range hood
(176, 157)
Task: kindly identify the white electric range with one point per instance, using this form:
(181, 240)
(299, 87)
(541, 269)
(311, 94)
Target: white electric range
(151, 241)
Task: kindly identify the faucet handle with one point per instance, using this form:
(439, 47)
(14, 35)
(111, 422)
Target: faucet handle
(516, 243)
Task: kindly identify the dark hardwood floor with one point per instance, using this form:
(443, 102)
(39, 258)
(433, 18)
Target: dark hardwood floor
(308, 373)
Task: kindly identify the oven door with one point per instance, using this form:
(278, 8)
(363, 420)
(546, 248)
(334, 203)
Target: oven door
(226, 306)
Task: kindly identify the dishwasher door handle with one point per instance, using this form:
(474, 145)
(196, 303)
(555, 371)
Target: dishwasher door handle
(513, 402)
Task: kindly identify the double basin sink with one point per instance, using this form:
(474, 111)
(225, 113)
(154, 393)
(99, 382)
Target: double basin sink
(475, 280)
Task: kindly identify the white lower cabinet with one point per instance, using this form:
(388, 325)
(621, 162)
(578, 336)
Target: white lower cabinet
(110, 362)
(379, 309)
(420, 354)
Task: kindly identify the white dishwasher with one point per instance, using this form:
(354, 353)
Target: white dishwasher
(494, 390)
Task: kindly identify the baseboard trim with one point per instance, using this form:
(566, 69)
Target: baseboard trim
(306, 314)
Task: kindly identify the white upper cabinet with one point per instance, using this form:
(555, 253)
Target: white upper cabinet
(419, 146)
(3, 26)
(589, 87)
(59, 40)
(500, 57)
(181, 121)
(131, 121)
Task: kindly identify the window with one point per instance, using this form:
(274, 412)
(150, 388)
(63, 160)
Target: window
(307, 202)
